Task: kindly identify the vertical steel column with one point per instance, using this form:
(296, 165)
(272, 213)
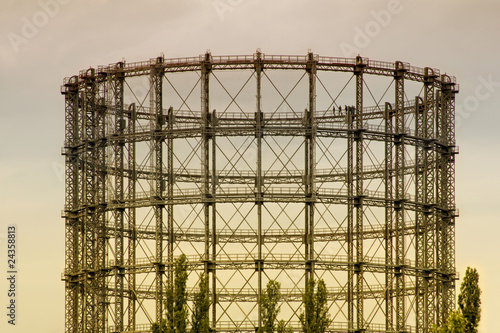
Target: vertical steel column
(439, 220)
(309, 167)
(358, 201)
(170, 195)
(89, 203)
(400, 197)
(72, 203)
(214, 178)
(82, 212)
(118, 212)
(100, 199)
(132, 241)
(157, 138)
(420, 168)
(447, 196)
(389, 216)
(206, 68)
(429, 306)
(451, 204)
(350, 218)
(259, 185)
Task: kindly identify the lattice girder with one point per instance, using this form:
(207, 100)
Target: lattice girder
(280, 174)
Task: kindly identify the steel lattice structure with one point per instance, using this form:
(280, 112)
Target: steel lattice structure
(251, 167)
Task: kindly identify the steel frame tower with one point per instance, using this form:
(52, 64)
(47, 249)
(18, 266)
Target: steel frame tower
(233, 172)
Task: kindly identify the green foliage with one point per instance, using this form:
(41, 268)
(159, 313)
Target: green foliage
(315, 318)
(456, 323)
(469, 299)
(282, 328)
(176, 301)
(159, 327)
(201, 307)
(466, 319)
(323, 320)
(270, 309)
(179, 296)
(169, 304)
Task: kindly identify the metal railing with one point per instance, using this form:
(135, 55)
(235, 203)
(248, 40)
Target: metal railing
(269, 257)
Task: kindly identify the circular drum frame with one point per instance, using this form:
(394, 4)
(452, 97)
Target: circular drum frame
(252, 187)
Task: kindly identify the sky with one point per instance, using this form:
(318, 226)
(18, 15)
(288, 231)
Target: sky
(41, 42)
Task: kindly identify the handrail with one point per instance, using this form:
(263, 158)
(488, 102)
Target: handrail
(319, 232)
(242, 173)
(248, 192)
(266, 59)
(268, 114)
(296, 291)
(251, 325)
(270, 257)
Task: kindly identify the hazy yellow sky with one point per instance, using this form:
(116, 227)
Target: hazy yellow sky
(41, 42)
